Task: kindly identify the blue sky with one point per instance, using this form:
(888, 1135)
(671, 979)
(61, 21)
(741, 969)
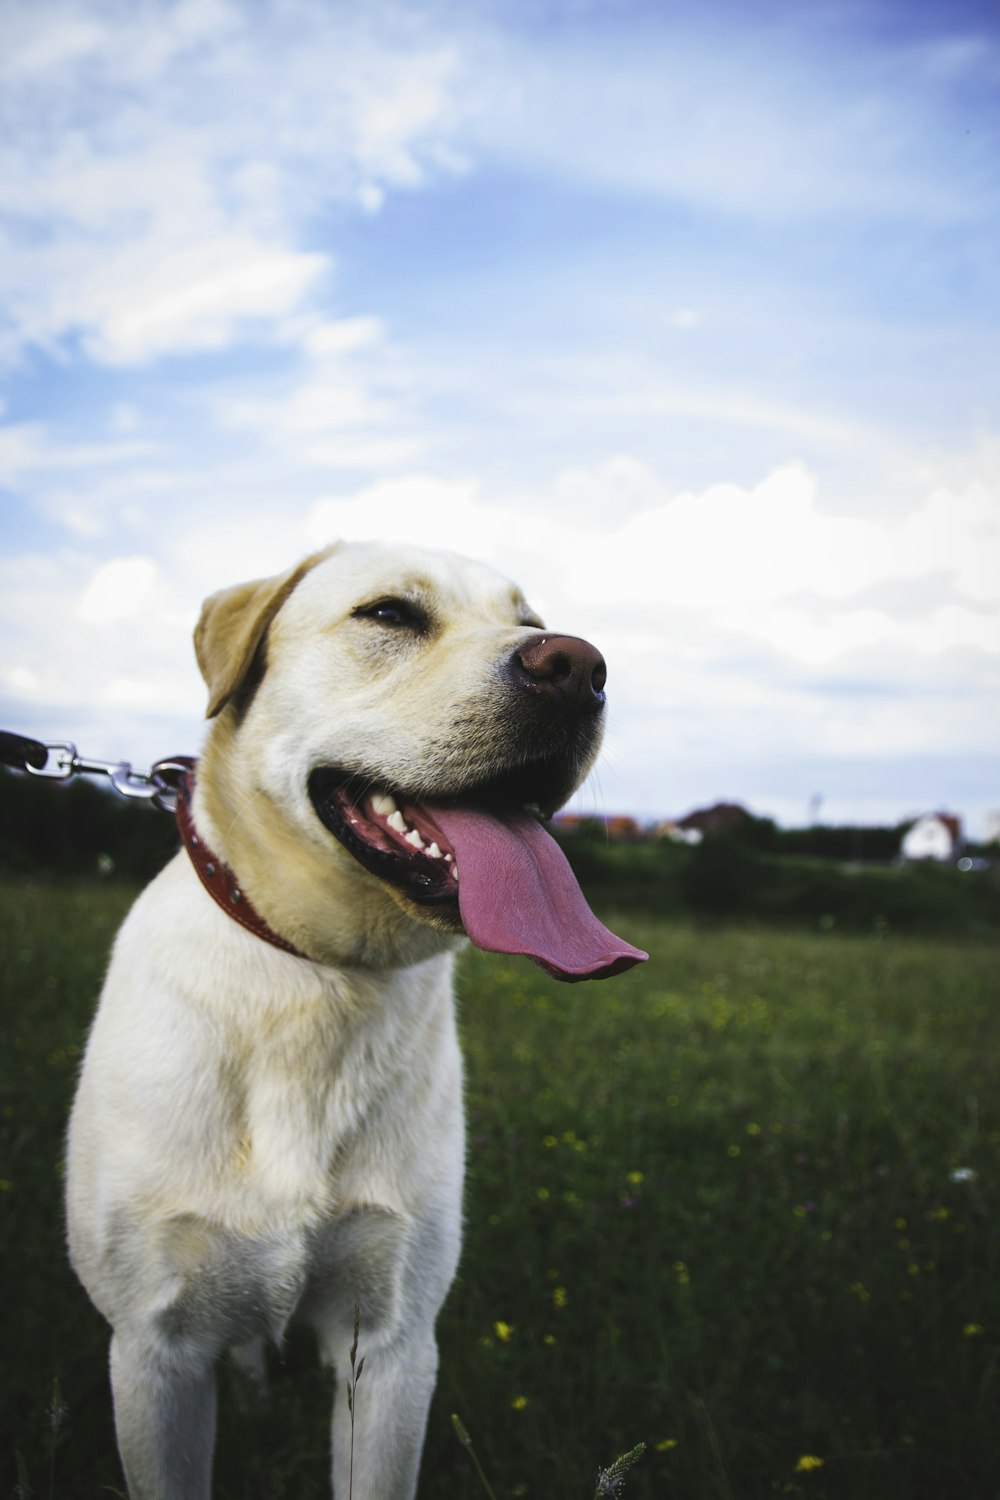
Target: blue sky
(686, 316)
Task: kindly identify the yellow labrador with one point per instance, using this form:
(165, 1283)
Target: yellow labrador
(269, 1118)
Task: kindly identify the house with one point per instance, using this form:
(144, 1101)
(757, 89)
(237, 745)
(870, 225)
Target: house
(570, 823)
(617, 828)
(721, 817)
(623, 830)
(933, 836)
(672, 833)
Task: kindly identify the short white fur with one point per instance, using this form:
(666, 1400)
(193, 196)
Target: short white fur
(257, 1136)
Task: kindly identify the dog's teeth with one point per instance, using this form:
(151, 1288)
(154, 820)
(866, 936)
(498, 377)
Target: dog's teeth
(414, 838)
(383, 804)
(449, 857)
(433, 851)
(396, 823)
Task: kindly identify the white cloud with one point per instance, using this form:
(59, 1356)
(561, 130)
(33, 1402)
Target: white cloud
(26, 447)
(731, 550)
(123, 588)
(703, 688)
(415, 508)
(958, 533)
(325, 340)
(820, 637)
(131, 690)
(23, 679)
(348, 403)
(161, 164)
(157, 299)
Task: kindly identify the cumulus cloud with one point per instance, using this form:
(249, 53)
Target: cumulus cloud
(124, 588)
(729, 548)
(744, 628)
(415, 508)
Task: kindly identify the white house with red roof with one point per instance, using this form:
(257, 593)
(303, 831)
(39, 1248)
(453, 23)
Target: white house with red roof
(933, 836)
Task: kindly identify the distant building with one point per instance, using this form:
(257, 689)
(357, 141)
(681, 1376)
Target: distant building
(992, 830)
(624, 830)
(617, 828)
(933, 836)
(673, 833)
(721, 817)
(571, 823)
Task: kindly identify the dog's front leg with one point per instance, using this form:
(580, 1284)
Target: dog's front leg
(390, 1403)
(164, 1397)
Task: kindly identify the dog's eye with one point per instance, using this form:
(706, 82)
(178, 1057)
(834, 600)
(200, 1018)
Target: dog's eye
(395, 612)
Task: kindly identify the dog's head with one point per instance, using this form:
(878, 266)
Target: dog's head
(406, 707)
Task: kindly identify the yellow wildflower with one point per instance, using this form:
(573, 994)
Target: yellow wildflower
(635, 1178)
(503, 1331)
(519, 1403)
(666, 1444)
(560, 1297)
(973, 1330)
(807, 1463)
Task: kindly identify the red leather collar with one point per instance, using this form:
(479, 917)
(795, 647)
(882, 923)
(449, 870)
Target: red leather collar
(217, 878)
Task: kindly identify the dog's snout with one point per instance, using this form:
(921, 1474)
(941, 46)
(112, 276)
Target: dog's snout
(564, 667)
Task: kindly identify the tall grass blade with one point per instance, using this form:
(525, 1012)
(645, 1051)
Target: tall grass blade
(466, 1442)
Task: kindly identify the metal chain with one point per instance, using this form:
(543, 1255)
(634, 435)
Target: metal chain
(60, 760)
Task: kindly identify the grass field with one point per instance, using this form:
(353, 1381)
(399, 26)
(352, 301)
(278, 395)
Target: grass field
(740, 1205)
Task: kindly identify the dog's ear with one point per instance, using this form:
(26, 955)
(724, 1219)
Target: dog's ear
(232, 625)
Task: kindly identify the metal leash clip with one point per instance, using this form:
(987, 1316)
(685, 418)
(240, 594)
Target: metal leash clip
(60, 760)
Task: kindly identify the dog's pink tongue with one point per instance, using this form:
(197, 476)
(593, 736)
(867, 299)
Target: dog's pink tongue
(517, 894)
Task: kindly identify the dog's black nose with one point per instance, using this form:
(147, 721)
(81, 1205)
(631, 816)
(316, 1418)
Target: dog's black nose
(565, 668)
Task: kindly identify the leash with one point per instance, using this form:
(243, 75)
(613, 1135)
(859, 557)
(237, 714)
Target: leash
(60, 760)
(169, 785)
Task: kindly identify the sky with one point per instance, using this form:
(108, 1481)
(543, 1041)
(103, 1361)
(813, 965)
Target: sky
(685, 316)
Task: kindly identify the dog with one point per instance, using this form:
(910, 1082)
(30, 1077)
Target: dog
(268, 1123)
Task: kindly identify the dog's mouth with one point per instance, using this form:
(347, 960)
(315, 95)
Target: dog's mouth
(486, 859)
(394, 837)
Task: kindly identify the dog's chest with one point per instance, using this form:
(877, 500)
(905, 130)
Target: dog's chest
(339, 1167)
(329, 1088)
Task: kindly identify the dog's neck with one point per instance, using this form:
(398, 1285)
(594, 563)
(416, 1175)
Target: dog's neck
(218, 879)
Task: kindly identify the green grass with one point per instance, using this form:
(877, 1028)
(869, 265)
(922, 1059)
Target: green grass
(712, 1207)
